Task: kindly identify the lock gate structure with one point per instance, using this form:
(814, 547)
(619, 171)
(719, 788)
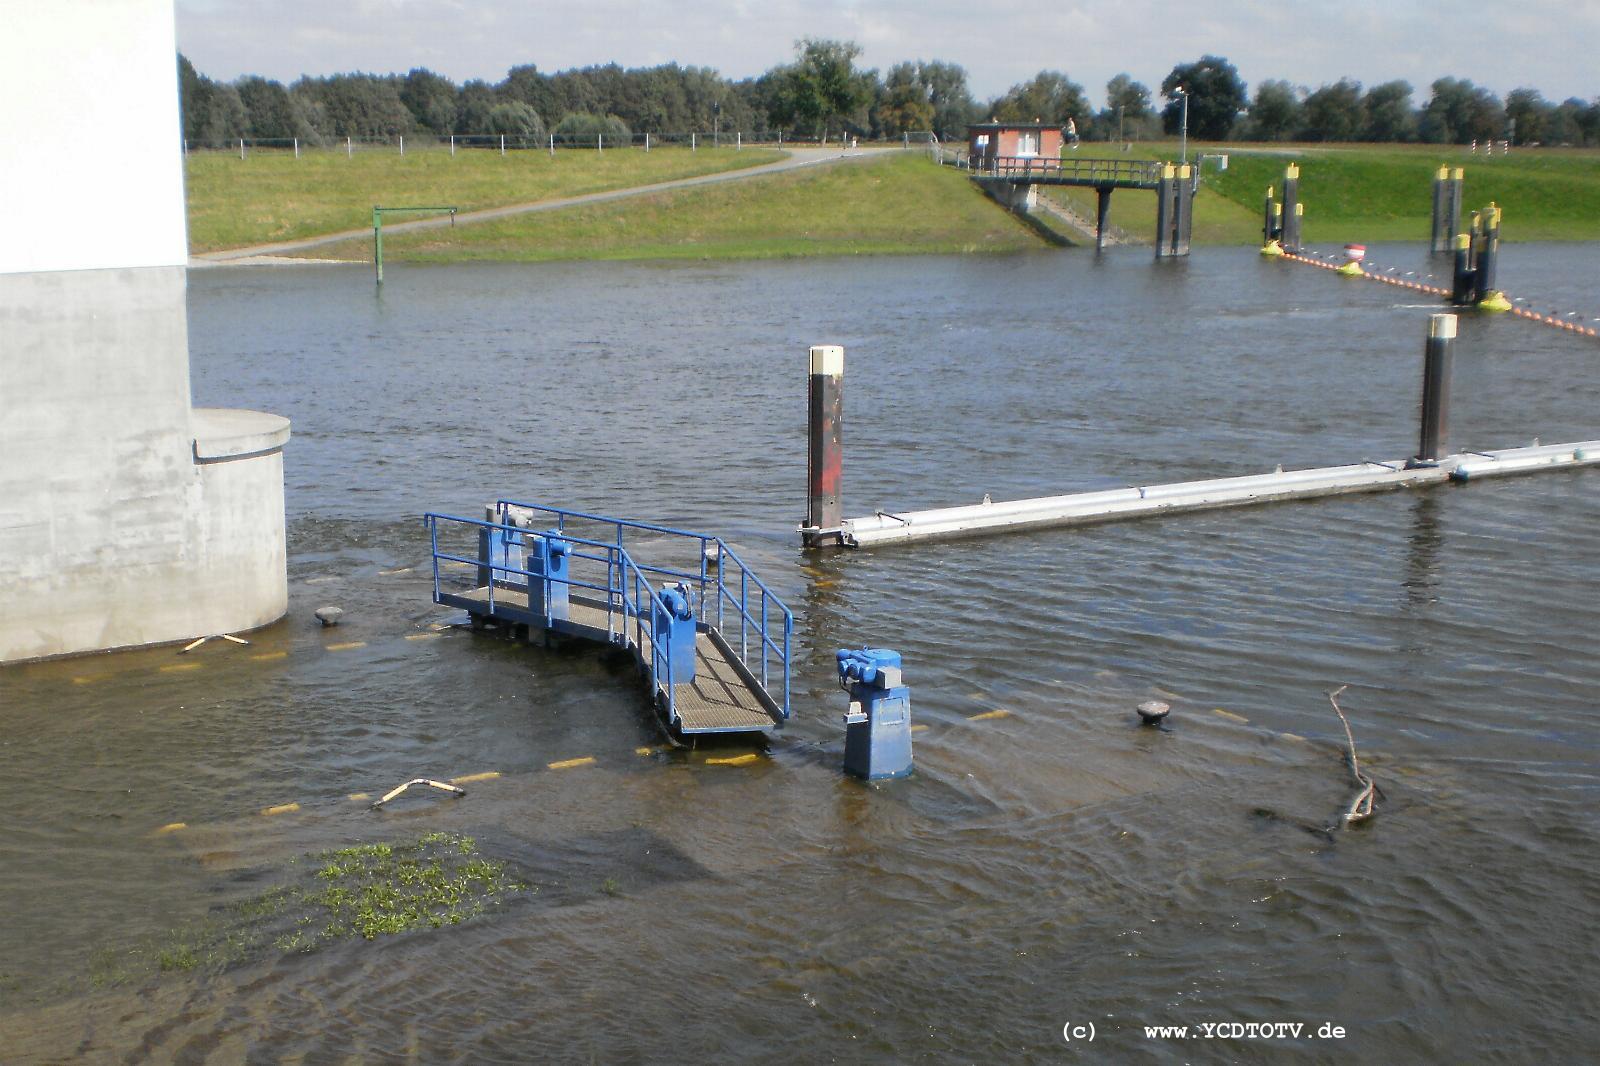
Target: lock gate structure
(712, 641)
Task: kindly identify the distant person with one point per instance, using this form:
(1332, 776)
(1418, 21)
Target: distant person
(1072, 133)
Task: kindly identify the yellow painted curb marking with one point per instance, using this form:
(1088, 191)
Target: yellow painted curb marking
(171, 827)
(357, 797)
(1230, 716)
(269, 656)
(346, 646)
(422, 636)
(734, 760)
(179, 667)
(987, 715)
(568, 764)
(467, 779)
(282, 808)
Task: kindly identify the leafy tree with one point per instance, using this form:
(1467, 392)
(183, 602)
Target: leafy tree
(1216, 96)
(1333, 112)
(822, 87)
(1275, 112)
(1527, 115)
(431, 99)
(517, 121)
(474, 101)
(905, 105)
(354, 105)
(270, 113)
(524, 84)
(1389, 114)
(1125, 93)
(213, 114)
(953, 106)
(1051, 97)
(1460, 111)
(583, 129)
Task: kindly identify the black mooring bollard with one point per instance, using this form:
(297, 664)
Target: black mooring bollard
(1270, 219)
(1452, 210)
(1462, 284)
(1102, 195)
(825, 451)
(1489, 251)
(1291, 209)
(1164, 210)
(1439, 234)
(1438, 361)
(1183, 211)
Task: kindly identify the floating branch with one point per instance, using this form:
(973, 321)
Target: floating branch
(1360, 806)
(393, 792)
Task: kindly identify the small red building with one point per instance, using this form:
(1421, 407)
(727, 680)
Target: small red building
(1013, 140)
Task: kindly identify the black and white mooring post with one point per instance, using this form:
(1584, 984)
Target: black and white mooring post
(1437, 364)
(1183, 209)
(1462, 283)
(1292, 210)
(825, 451)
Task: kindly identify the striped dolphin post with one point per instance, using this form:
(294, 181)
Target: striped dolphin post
(1446, 209)
(825, 454)
(1438, 362)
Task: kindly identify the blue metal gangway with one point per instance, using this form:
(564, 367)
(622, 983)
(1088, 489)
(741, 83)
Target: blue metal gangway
(711, 639)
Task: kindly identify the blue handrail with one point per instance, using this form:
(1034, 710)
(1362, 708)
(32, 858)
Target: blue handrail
(713, 591)
(629, 591)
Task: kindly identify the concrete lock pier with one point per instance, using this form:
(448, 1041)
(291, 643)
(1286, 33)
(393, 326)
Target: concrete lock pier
(127, 515)
(1431, 465)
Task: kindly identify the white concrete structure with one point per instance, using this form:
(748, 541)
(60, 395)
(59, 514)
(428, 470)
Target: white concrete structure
(126, 516)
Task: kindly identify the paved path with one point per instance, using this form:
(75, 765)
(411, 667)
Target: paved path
(797, 157)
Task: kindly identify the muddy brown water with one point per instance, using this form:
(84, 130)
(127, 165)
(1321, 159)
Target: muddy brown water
(1056, 865)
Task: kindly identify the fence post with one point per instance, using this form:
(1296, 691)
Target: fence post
(502, 144)
(186, 147)
(693, 147)
(241, 147)
(552, 146)
(452, 146)
(647, 141)
(349, 152)
(738, 140)
(600, 142)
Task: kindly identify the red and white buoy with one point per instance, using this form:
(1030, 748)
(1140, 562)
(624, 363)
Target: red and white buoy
(1355, 252)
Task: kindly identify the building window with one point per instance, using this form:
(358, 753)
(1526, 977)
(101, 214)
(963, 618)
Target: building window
(1027, 143)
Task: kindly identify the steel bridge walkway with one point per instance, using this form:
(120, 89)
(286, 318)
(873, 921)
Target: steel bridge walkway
(498, 570)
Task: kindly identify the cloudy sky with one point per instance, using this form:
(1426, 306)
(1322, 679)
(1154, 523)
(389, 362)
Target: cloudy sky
(1547, 44)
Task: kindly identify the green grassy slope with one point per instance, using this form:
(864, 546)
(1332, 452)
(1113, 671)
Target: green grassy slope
(896, 204)
(272, 196)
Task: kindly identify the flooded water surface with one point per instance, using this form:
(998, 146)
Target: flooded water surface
(1053, 865)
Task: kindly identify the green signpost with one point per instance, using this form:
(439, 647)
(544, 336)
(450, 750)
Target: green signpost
(377, 229)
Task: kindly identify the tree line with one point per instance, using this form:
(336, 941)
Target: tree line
(824, 93)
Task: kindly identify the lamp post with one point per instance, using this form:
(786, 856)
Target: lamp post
(1184, 157)
(1119, 124)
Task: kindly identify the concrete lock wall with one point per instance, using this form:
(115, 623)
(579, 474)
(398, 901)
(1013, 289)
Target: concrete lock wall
(126, 516)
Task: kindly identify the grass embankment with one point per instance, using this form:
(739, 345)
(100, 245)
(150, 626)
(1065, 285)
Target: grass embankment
(1369, 192)
(272, 196)
(898, 203)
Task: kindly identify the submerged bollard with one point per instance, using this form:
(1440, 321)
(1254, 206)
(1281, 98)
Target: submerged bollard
(1164, 209)
(877, 735)
(1183, 210)
(825, 450)
(1102, 214)
(1437, 364)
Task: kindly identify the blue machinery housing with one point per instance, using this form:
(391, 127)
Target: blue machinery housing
(711, 639)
